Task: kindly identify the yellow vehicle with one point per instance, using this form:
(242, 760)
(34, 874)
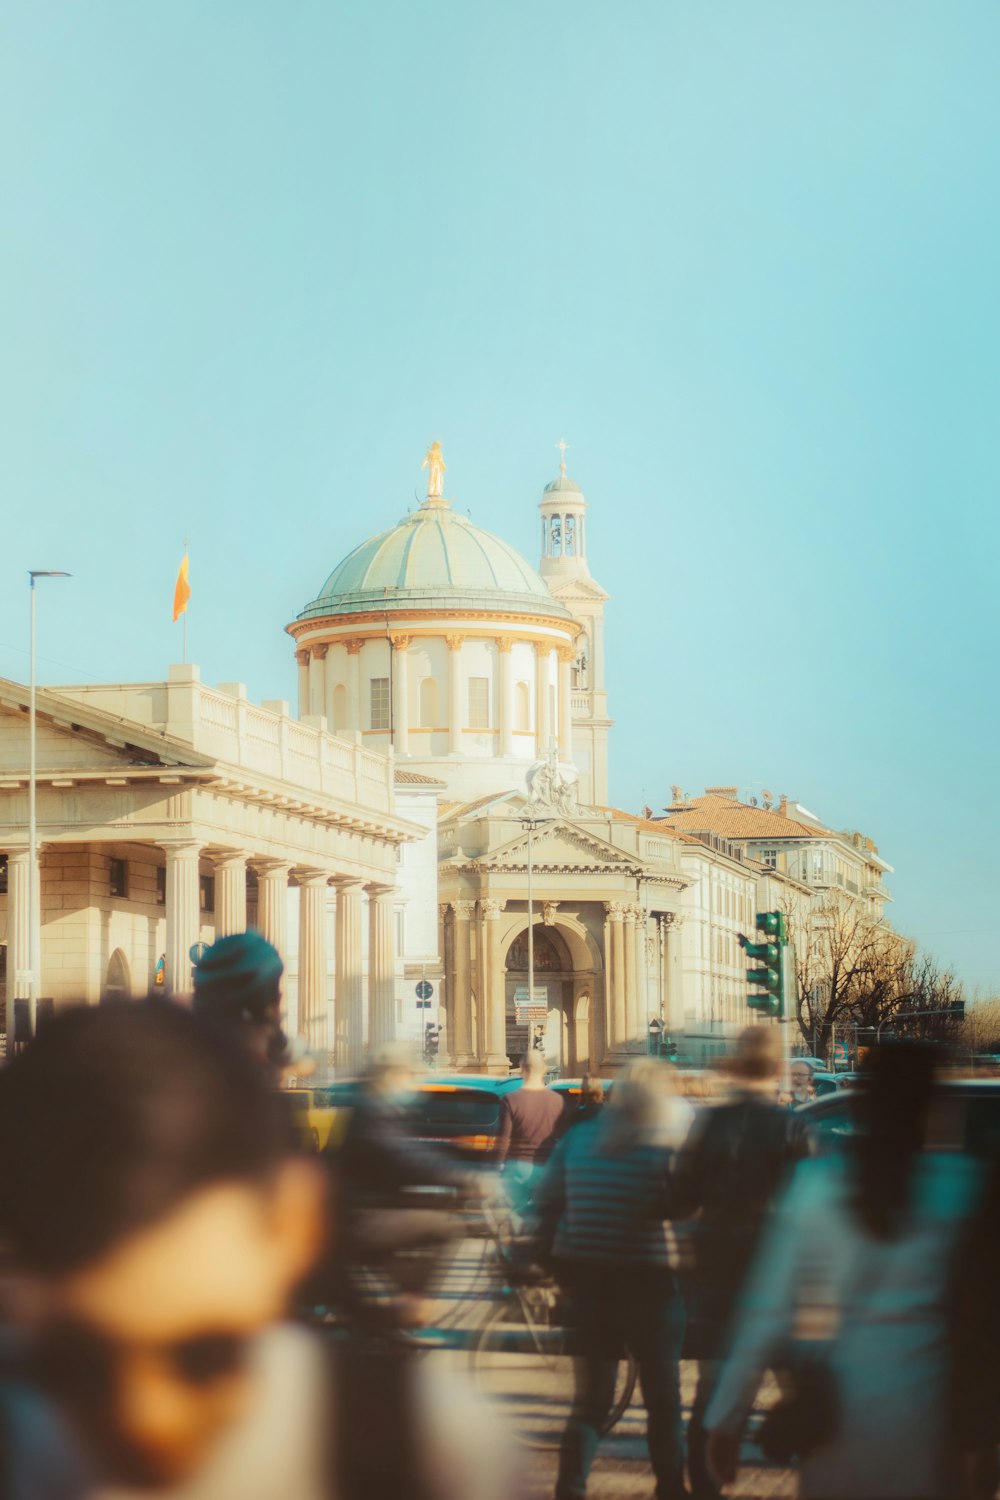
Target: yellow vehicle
(320, 1114)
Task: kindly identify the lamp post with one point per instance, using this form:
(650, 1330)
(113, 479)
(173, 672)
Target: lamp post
(34, 883)
(531, 824)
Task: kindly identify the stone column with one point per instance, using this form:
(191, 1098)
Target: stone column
(183, 911)
(456, 708)
(302, 657)
(463, 1042)
(18, 935)
(230, 894)
(565, 703)
(506, 686)
(673, 972)
(543, 725)
(313, 887)
(381, 966)
(631, 993)
(494, 995)
(272, 903)
(614, 968)
(354, 684)
(349, 1006)
(317, 672)
(641, 983)
(401, 693)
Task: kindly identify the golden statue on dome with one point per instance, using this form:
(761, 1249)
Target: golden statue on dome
(437, 468)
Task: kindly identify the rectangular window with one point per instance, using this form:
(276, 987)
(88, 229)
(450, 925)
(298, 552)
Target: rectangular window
(206, 892)
(118, 878)
(3, 876)
(380, 702)
(479, 703)
(769, 857)
(161, 885)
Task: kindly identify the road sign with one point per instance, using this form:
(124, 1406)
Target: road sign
(523, 1014)
(840, 1053)
(424, 989)
(423, 1005)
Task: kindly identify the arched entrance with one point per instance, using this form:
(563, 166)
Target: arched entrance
(559, 986)
(118, 984)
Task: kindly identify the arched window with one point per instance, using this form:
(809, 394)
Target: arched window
(118, 985)
(522, 707)
(339, 708)
(428, 703)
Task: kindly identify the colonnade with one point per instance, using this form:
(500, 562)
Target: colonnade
(325, 665)
(183, 914)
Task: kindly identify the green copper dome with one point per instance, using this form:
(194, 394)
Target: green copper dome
(434, 559)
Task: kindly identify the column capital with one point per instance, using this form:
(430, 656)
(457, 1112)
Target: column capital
(307, 876)
(226, 858)
(565, 653)
(302, 656)
(615, 910)
(319, 652)
(181, 846)
(670, 919)
(453, 641)
(464, 910)
(492, 909)
(631, 915)
(272, 867)
(348, 885)
(382, 892)
(504, 643)
(354, 644)
(400, 642)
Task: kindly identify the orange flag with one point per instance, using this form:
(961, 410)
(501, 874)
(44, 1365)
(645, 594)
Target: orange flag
(182, 590)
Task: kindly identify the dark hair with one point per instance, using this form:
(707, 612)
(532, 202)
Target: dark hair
(892, 1116)
(115, 1116)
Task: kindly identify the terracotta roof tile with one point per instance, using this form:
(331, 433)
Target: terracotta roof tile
(736, 820)
(414, 778)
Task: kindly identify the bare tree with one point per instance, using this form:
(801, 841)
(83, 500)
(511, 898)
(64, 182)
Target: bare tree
(981, 1027)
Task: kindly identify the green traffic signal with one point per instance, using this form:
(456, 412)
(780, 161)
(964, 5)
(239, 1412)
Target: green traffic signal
(767, 951)
(769, 993)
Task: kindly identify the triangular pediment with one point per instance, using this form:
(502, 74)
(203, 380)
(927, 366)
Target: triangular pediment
(558, 845)
(72, 736)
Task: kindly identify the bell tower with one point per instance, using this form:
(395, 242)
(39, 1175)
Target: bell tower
(565, 570)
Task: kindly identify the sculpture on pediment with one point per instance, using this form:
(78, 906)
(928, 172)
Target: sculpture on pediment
(551, 789)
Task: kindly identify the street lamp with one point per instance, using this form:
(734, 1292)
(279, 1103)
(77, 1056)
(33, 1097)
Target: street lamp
(34, 884)
(531, 824)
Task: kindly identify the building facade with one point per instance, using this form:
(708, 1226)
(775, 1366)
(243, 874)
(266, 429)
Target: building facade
(170, 814)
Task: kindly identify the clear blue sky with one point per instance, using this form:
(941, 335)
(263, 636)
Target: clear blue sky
(744, 257)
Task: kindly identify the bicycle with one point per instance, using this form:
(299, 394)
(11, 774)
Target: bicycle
(522, 1359)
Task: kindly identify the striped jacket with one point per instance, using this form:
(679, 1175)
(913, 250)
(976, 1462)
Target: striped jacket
(607, 1206)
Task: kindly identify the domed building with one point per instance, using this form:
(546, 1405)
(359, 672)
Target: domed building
(438, 639)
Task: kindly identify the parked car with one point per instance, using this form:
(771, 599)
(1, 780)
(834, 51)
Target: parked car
(320, 1114)
(965, 1116)
(459, 1113)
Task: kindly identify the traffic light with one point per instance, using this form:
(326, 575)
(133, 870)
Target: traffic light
(432, 1041)
(768, 980)
(538, 1039)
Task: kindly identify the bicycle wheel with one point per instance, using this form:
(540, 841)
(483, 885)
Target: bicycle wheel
(521, 1363)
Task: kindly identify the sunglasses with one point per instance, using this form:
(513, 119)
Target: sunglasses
(74, 1357)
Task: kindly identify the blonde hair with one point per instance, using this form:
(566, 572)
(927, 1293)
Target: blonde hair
(635, 1107)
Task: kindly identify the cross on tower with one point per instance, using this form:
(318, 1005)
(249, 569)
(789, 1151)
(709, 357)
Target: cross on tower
(562, 445)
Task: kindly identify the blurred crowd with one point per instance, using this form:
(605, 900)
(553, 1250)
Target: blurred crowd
(195, 1306)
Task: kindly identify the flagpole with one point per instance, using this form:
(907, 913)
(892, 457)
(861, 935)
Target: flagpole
(185, 657)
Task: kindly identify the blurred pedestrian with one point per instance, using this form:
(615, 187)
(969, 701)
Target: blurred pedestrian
(382, 1231)
(237, 989)
(801, 1082)
(531, 1121)
(603, 1202)
(154, 1222)
(853, 1284)
(730, 1174)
